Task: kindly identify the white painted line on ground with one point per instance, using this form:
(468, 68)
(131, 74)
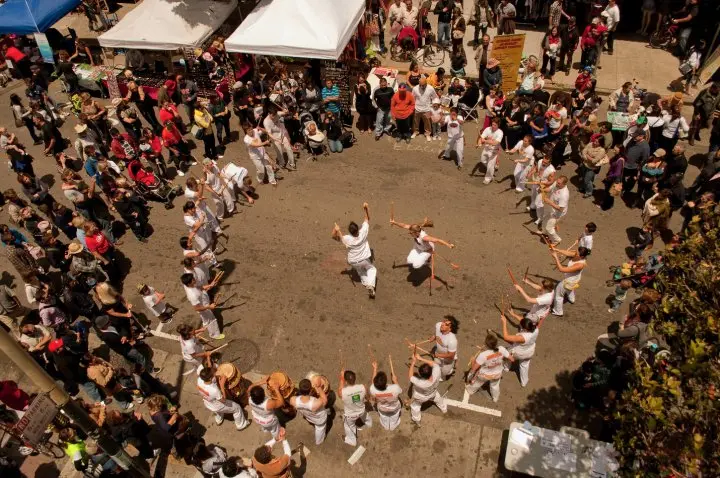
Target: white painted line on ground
(466, 397)
(473, 408)
(355, 457)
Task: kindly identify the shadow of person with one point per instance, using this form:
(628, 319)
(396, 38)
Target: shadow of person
(480, 168)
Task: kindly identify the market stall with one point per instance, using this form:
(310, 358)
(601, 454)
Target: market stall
(24, 17)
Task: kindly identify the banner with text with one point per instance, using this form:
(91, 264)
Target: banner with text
(508, 50)
(45, 49)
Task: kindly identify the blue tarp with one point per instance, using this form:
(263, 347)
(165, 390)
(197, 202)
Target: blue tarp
(32, 16)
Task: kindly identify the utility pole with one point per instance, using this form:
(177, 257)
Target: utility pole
(77, 414)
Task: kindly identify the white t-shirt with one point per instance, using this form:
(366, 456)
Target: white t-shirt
(423, 246)
(153, 303)
(425, 389)
(496, 135)
(317, 417)
(275, 128)
(255, 153)
(526, 350)
(561, 197)
(211, 394)
(387, 400)
(491, 363)
(261, 414)
(541, 308)
(197, 296)
(527, 152)
(353, 397)
(586, 241)
(447, 343)
(191, 347)
(358, 247)
(454, 127)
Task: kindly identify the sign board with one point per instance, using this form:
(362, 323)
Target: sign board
(38, 416)
(508, 50)
(45, 48)
(620, 121)
(710, 67)
(112, 84)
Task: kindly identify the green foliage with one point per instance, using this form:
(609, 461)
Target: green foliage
(668, 421)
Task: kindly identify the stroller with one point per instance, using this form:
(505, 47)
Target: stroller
(314, 142)
(150, 186)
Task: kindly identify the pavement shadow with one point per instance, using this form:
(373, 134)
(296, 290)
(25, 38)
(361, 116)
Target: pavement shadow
(698, 160)
(47, 470)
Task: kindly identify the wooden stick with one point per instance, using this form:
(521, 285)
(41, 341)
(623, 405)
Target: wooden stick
(370, 352)
(218, 348)
(526, 273)
(432, 270)
(342, 362)
(512, 277)
(392, 210)
(392, 369)
(452, 264)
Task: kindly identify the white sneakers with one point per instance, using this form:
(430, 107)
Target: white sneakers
(414, 135)
(487, 180)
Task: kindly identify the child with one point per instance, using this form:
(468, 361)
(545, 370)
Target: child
(586, 239)
(155, 302)
(643, 240)
(456, 139)
(524, 162)
(437, 117)
(621, 291)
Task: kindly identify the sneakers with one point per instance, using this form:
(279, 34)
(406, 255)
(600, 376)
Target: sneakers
(518, 190)
(377, 137)
(487, 180)
(180, 173)
(441, 155)
(129, 406)
(428, 138)
(241, 428)
(371, 292)
(527, 208)
(220, 156)
(218, 337)
(413, 136)
(219, 420)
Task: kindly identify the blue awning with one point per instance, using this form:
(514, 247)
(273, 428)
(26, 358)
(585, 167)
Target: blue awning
(31, 16)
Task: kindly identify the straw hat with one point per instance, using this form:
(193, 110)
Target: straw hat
(492, 63)
(80, 128)
(75, 248)
(659, 153)
(117, 102)
(140, 287)
(105, 293)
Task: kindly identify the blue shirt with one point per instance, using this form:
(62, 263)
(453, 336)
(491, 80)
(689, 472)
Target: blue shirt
(91, 164)
(333, 106)
(80, 236)
(18, 238)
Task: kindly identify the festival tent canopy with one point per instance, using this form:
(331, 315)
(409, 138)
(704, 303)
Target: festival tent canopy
(168, 24)
(23, 17)
(298, 28)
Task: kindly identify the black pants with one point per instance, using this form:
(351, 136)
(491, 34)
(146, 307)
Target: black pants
(547, 59)
(610, 40)
(31, 129)
(222, 122)
(181, 160)
(566, 60)
(608, 199)
(588, 57)
(148, 112)
(667, 143)
(209, 142)
(404, 127)
(629, 179)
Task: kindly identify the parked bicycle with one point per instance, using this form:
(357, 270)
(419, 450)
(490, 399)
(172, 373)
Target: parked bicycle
(431, 54)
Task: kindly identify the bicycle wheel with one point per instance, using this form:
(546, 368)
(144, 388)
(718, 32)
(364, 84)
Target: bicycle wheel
(433, 55)
(50, 449)
(397, 53)
(658, 39)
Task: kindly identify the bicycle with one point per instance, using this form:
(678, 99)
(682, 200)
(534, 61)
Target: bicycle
(430, 55)
(665, 37)
(45, 446)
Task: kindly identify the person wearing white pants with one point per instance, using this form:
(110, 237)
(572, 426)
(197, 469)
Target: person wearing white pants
(359, 252)
(214, 401)
(571, 281)
(314, 410)
(523, 163)
(488, 368)
(193, 351)
(238, 180)
(557, 204)
(353, 397)
(425, 387)
(490, 139)
(263, 408)
(222, 195)
(200, 234)
(423, 244)
(200, 300)
(196, 193)
(543, 174)
(256, 150)
(456, 137)
(386, 398)
(445, 350)
(523, 345)
(275, 128)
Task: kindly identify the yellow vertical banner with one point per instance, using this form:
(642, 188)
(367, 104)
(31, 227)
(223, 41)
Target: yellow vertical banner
(508, 50)
(710, 67)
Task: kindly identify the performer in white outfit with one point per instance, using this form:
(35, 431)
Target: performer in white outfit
(195, 192)
(256, 150)
(556, 206)
(214, 401)
(359, 252)
(586, 238)
(425, 387)
(200, 300)
(488, 367)
(523, 345)
(200, 233)
(222, 195)
(523, 162)
(540, 305)
(238, 180)
(573, 273)
(445, 350)
(423, 244)
(386, 398)
(542, 176)
(313, 409)
(193, 350)
(275, 127)
(490, 139)
(263, 408)
(198, 261)
(353, 396)
(456, 137)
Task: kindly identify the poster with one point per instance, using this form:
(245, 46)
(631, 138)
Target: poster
(39, 414)
(44, 47)
(620, 121)
(710, 67)
(112, 84)
(508, 50)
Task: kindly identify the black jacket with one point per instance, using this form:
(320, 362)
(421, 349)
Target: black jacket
(444, 17)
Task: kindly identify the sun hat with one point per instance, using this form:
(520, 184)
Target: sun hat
(80, 128)
(659, 153)
(436, 101)
(237, 85)
(140, 287)
(492, 63)
(75, 248)
(104, 294)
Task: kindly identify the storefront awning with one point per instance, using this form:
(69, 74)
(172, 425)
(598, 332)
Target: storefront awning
(298, 28)
(168, 24)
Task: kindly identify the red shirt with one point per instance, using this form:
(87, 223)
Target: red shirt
(12, 396)
(14, 54)
(166, 115)
(172, 137)
(97, 243)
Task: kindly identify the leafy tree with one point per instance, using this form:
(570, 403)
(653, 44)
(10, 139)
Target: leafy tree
(668, 421)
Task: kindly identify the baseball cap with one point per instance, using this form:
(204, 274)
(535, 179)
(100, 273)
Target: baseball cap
(55, 345)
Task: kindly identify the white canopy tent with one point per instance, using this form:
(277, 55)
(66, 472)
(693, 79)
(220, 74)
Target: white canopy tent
(168, 24)
(299, 28)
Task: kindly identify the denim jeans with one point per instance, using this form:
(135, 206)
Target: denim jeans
(92, 391)
(335, 145)
(382, 122)
(443, 33)
(589, 180)
(683, 38)
(135, 356)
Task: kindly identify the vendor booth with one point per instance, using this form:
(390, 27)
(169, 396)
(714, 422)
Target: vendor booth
(24, 17)
(298, 28)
